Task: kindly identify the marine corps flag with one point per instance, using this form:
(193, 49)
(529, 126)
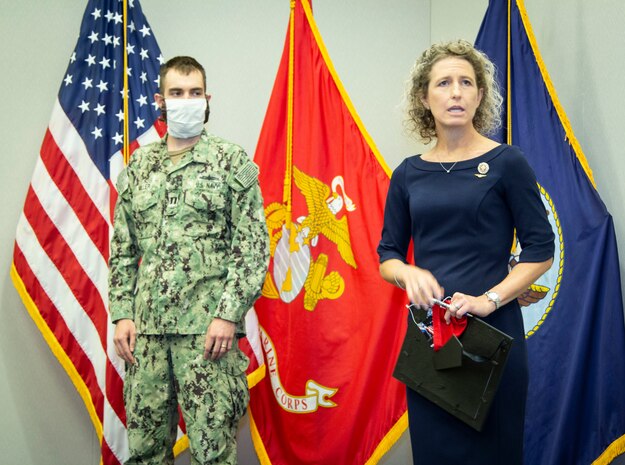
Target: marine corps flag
(573, 315)
(330, 327)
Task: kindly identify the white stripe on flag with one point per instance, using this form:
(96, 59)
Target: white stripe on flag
(69, 226)
(73, 148)
(116, 163)
(52, 282)
(253, 335)
(115, 433)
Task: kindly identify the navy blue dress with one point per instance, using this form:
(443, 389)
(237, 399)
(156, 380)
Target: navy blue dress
(462, 224)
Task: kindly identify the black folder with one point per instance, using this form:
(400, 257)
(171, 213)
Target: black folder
(463, 376)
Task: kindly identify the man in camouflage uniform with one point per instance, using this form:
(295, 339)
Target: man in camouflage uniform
(188, 259)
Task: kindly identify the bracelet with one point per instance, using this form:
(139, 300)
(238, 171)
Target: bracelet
(397, 282)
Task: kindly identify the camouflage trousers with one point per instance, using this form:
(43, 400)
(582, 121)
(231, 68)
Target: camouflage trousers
(213, 396)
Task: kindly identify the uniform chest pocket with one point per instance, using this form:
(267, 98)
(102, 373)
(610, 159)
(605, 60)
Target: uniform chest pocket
(144, 205)
(204, 212)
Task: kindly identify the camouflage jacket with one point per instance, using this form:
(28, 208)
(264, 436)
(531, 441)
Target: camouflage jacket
(190, 241)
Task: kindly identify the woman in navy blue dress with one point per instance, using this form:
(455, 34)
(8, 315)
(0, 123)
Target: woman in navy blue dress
(461, 203)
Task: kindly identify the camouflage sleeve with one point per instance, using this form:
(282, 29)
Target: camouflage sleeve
(249, 251)
(124, 260)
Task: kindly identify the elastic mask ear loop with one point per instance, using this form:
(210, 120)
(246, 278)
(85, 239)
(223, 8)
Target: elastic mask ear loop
(208, 111)
(163, 115)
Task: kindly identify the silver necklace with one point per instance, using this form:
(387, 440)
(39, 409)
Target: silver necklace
(450, 168)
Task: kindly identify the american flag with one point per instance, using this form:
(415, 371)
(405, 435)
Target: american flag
(62, 240)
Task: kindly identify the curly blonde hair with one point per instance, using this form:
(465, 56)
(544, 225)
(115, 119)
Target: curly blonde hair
(487, 116)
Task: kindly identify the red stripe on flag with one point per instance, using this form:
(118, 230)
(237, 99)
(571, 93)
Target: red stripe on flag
(65, 260)
(70, 185)
(58, 327)
(108, 457)
(78, 281)
(115, 391)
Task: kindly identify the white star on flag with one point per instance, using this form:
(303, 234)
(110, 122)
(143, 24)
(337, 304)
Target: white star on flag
(102, 86)
(104, 62)
(139, 122)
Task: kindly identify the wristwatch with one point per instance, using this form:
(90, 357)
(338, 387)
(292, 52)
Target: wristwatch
(494, 298)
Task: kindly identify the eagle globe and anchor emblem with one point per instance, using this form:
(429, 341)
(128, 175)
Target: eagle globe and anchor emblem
(295, 269)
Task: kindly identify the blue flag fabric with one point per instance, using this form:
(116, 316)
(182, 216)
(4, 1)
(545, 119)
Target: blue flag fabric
(574, 314)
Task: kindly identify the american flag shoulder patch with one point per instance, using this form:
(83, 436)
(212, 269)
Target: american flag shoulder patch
(247, 175)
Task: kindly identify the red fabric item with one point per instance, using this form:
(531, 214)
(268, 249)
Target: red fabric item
(442, 330)
(331, 328)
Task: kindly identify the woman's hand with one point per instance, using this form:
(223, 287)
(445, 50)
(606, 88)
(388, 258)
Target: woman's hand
(461, 304)
(421, 285)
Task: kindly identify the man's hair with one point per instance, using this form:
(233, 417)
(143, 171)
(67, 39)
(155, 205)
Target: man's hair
(184, 65)
(487, 116)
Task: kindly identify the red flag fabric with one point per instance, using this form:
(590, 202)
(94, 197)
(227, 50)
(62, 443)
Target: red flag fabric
(331, 328)
(62, 240)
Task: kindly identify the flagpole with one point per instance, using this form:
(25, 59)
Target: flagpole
(126, 147)
(509, 81)
(288, 172)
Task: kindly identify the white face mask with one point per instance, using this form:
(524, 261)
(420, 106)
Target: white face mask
(185, 117)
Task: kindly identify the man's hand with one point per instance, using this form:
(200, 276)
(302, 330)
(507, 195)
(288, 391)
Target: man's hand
(124, 339)
(219, 338)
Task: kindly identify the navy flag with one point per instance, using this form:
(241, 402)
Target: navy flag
(574, 314)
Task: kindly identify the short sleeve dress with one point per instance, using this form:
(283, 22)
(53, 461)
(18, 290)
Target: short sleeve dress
(463, 226)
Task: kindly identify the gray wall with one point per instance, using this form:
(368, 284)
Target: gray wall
(372, 44)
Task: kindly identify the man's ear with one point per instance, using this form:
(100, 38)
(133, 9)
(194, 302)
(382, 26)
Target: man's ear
(159, 99)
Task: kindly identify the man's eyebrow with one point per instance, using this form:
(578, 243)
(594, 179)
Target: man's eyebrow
(179, 89)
